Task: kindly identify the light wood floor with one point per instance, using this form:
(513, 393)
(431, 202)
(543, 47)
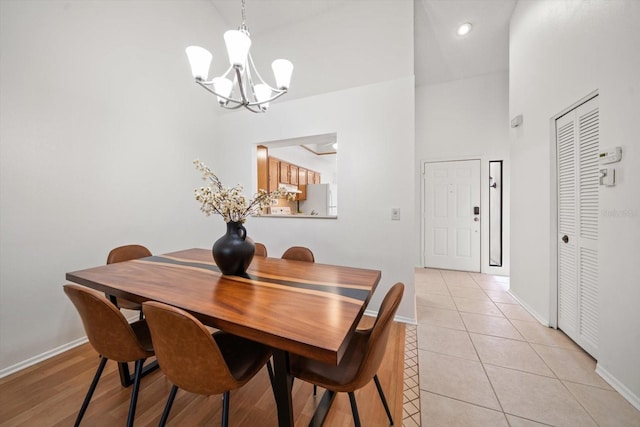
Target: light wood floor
(51, 392)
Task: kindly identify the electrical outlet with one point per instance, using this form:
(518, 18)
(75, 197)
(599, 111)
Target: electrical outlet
(395, 213)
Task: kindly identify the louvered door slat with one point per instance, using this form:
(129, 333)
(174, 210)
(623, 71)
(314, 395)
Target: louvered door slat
(588, 172)
(566, 173)
(589, 295)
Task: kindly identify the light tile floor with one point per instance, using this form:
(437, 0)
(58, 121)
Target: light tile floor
(483, 360)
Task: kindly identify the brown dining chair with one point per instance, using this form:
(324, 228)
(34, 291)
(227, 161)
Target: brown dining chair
(112, 337)
(127, 253)
(361, 359)
(298, 253)
(261, 250)
(198, 362)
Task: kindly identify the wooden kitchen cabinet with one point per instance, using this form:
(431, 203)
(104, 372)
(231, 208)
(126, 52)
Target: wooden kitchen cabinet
(302, 184)
(293, 174)
(263, 168)
(284, 172)
(313, 177)
(274, 174)
(302, 176)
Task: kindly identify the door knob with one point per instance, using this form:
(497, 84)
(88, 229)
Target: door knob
(565, 238)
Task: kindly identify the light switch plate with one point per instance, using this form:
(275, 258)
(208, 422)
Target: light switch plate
(395, 213)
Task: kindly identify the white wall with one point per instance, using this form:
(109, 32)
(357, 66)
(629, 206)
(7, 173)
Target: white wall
(467, 119)
(375, 130)
(99, 123)
(561, 51)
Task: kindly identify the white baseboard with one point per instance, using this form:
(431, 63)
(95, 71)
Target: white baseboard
(617, 385)
(400, 319)
(531, 311)
(50, 353)
(41, 357)
(631, 397)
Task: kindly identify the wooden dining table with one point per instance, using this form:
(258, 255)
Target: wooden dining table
(299, 307)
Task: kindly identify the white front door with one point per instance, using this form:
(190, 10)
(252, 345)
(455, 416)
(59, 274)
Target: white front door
(452, 215)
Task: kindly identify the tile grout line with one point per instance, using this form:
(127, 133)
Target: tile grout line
(494, 293)
(411, 347)
(555, 375)
(484, 369)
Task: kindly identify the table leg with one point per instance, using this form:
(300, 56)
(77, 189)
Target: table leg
(282, 383)
(323, 408)
(125, 374)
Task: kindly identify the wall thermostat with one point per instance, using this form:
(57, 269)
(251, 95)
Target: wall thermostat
(610, 155)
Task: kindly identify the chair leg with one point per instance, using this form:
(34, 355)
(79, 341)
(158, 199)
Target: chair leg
(225, 409)
(270, 370)
(384, 401)
(354, 408)
(134, 392)
(92, 388)
(167, 407)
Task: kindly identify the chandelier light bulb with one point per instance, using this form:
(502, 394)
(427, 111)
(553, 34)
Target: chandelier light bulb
(238, 44)
(223, 87)
(263, 93)
(282, 70)
(200, 60)
(464, 29)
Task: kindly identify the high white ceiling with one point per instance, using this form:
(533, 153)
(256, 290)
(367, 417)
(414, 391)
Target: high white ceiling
(440, 54)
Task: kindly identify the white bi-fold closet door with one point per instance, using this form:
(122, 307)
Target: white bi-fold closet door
(577, 142)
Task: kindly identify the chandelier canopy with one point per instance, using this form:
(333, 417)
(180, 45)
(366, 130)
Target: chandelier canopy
(247, 89)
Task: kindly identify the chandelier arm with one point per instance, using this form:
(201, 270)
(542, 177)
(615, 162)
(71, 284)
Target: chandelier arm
(227, 72)
(250, 81)
(206, 86)
(250, 108)
(210, 82)
(241, 86)
(276, 96)
(235, 107)
(256, 70)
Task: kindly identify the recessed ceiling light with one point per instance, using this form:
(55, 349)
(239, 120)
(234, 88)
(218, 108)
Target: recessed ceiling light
(464, 29)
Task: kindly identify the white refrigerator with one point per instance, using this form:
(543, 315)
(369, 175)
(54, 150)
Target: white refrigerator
(321, 200)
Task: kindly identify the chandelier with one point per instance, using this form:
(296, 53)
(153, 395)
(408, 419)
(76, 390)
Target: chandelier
(247, 89)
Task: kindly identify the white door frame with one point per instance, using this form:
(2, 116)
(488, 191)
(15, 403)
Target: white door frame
(553, 236)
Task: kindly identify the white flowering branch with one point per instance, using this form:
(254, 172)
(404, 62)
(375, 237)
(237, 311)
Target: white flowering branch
(229, 201)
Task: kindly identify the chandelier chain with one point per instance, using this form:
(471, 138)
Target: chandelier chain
(243, 16)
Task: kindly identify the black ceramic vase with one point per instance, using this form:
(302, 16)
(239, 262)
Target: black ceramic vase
(233, 252)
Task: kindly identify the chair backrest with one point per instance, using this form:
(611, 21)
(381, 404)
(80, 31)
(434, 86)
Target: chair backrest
(186, 352)
(107, 329)
(298, 253)
(379, 335)
(127, 253)
(261, 250)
